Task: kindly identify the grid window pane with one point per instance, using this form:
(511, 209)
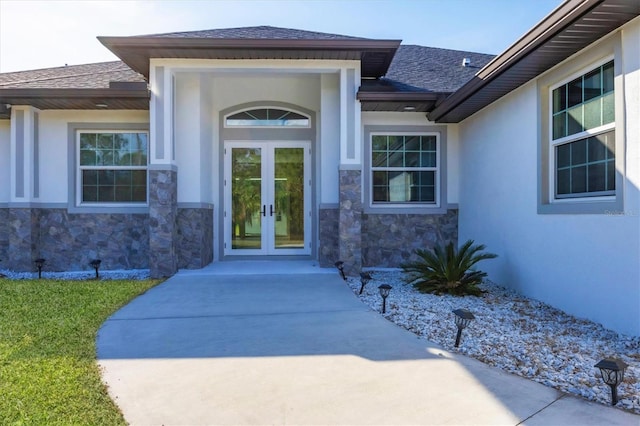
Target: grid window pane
(596, 177)
(593, 113)
(403, 168)
(611, 175)
(608, 109)
(586, 166)
(563, 178)
(575, 120)
(559, 99)
(592, 84)
(579, 152)
(379, 143)
(113, 167)
(607, 77)
(584, 103)
(574, 92)
(563, 156)
(560, 125)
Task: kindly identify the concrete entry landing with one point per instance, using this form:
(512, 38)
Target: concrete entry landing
(214, 348)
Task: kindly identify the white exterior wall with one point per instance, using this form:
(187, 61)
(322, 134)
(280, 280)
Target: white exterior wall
(200, 97)
(53, 143)
(5, 160)
(328, 162)
(419, 119)
(587, 265)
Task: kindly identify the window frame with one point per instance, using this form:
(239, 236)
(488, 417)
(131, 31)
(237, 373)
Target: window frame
(265, 107)
(435, 169)
(440, 206)
(576, 137)
(607, 49)
(79, 168)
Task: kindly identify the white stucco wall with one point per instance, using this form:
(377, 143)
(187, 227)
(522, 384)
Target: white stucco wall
(5, 160)
(329, 136)
(53, 142)
(188, 136)
(419, 119)
(585, 264)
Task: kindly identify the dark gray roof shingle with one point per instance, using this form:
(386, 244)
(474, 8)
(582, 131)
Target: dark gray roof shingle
(262, 32)
(413, 69)
(420, 68)
(88, 76)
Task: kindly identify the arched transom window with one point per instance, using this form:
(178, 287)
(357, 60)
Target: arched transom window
(267, 117)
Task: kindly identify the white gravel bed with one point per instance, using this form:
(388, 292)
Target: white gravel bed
(516, 334)
(132, 274)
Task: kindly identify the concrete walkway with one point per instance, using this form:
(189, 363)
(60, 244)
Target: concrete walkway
(293, 345)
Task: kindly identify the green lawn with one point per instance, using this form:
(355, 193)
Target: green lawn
(48, 370)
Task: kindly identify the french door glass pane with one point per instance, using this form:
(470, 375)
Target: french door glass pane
(246, 201)
(288, 198)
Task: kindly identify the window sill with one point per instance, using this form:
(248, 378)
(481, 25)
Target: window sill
(592, 205)
(113, 209)
(423, 209)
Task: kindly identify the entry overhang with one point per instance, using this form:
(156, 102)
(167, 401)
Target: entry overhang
(136, 52)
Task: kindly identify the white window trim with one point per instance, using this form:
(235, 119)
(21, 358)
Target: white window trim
(609, 47)
(79, 168)
(575, 137)
(224, 118)
(437, 169)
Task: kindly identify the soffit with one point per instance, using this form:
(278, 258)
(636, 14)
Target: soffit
(75, 99)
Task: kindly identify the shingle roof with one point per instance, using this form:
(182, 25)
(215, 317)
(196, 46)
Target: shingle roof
(261, 33)
(88, 76)
(413, 69)
(420, 68)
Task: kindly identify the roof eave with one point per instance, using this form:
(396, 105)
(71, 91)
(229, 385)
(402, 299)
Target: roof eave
(562, 18)
(178, 47)
(400, 101)
(85, 99)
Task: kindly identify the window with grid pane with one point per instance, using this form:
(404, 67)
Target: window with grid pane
(267, 117)
(404, 169)
(113, 167)
(583, 134)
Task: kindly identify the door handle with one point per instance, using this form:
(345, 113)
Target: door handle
(270, 209)
(264, 210)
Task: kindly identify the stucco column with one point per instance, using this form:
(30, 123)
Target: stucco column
(163, 213)
(22, 219)
(350, 225)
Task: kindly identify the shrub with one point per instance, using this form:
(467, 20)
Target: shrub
(445, 270)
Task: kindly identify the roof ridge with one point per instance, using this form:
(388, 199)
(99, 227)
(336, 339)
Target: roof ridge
(59, 77)
(447, 49)
(62, 67)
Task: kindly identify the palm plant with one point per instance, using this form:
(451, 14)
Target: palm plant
(447, 270)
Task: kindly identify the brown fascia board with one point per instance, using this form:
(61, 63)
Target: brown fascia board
(72, 93)
(550, 26)
(399, 96)
(122, 47)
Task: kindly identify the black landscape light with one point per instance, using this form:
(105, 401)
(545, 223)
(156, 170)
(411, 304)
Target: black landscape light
(95, 264)
(384, 292)
(39, 264)
(612, 371)
(364, 279)
(340, 265)
(463, 318)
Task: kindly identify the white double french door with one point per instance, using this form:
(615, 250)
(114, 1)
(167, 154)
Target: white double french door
(267, 197)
